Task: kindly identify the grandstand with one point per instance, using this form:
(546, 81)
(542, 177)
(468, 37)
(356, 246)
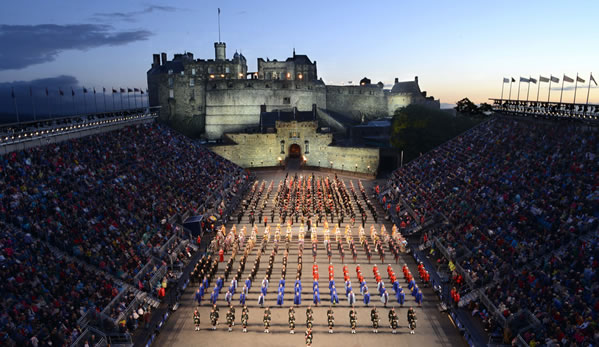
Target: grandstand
(504, 219)
(511, 208)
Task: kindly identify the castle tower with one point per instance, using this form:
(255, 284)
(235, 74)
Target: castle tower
(219, 50)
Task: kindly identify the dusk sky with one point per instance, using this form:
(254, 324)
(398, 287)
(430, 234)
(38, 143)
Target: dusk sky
(457, 48)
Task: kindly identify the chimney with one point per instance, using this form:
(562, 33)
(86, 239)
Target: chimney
(155, 60)
(163, 55)
(416, 79)
(396, 80)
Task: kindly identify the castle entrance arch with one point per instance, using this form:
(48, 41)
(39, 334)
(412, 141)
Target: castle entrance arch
(295, 151)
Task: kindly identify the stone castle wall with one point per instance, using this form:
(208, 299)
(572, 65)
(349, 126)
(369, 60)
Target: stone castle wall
(259, 150)
(357, 101)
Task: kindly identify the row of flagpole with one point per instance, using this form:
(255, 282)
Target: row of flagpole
(61, 93)
(549, 80)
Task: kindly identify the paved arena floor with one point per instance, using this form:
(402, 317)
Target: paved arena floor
(433, 327)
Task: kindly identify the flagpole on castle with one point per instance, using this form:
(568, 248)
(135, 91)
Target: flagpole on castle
(502, 85)
(95, 100)
(104, 95)
(511, 80)
(14, 100)
(528, 90)
(520, 80)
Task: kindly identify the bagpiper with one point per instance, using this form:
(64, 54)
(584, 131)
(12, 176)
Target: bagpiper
(196, 319)
(291, 320)
(214, 317)
(230, 319)
(244, 318)
(309, 337)
(353, 320)
(374, 317)
(232, 309)
(411, 320)
(331, 319)
(266, 320)
(393, 320)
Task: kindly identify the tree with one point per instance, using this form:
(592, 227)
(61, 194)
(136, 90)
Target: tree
(466, 106)
(417, 129)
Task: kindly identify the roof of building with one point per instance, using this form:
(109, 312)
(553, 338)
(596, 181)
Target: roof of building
(300, 59)
(406, 87)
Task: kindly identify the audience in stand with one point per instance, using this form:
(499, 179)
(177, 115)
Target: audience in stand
(515, 199)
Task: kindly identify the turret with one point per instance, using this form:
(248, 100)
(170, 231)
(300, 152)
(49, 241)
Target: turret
(219, 51)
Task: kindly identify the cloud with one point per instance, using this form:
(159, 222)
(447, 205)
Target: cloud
(28, 45)
(580, 86)
(131, 16)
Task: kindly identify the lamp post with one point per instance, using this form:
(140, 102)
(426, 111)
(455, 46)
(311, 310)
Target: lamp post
(331, 165)
(356, 167)
(368, 168)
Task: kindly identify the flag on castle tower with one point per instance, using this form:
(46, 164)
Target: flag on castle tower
(219, 10)
(46, 91)
(84, 90)
(532, 80)
(129, 90)
(72, 92)
(506, 80)
(543, 79)
(136, 89)
(578, 79)
(593, 79)
(554, 79)
(568, 79)
(94, 90)
(141, 90)
(12, 92)
(114, 91)
(525, 80)
(60, 92)
(513, 79)
(122, 90)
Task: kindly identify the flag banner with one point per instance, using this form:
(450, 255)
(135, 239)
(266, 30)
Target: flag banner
(593, 79)
(141, 91)
(532, 80)
(506, 80)
(94, 90)
(554, 79)
(46, 91)
(136, 89)
(568, 79)
(578, 79)
(122, 90)
(84, 90)
(60, 92)
(114, 90)
(525, 80)
(103, 90)
(129, 90)
(219, 10)
(12, 92)
(543, 79)
(72, 92)
(513, 79)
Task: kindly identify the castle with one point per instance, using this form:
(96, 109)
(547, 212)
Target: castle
(210, 98)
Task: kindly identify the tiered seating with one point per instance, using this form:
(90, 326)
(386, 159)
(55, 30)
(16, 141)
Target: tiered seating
(44, 295)
(512, 193)
(107, 200)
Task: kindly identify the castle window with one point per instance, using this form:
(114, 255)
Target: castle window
(182, 73)
(192, 82)
(170, 82)
(171, 93)
(286, 101)
(201, 108)
(170, 72)
(227, 70)
(307, 145)
(193, 72)
(282, 146)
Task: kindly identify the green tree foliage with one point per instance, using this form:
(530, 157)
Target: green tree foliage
(418, 129)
